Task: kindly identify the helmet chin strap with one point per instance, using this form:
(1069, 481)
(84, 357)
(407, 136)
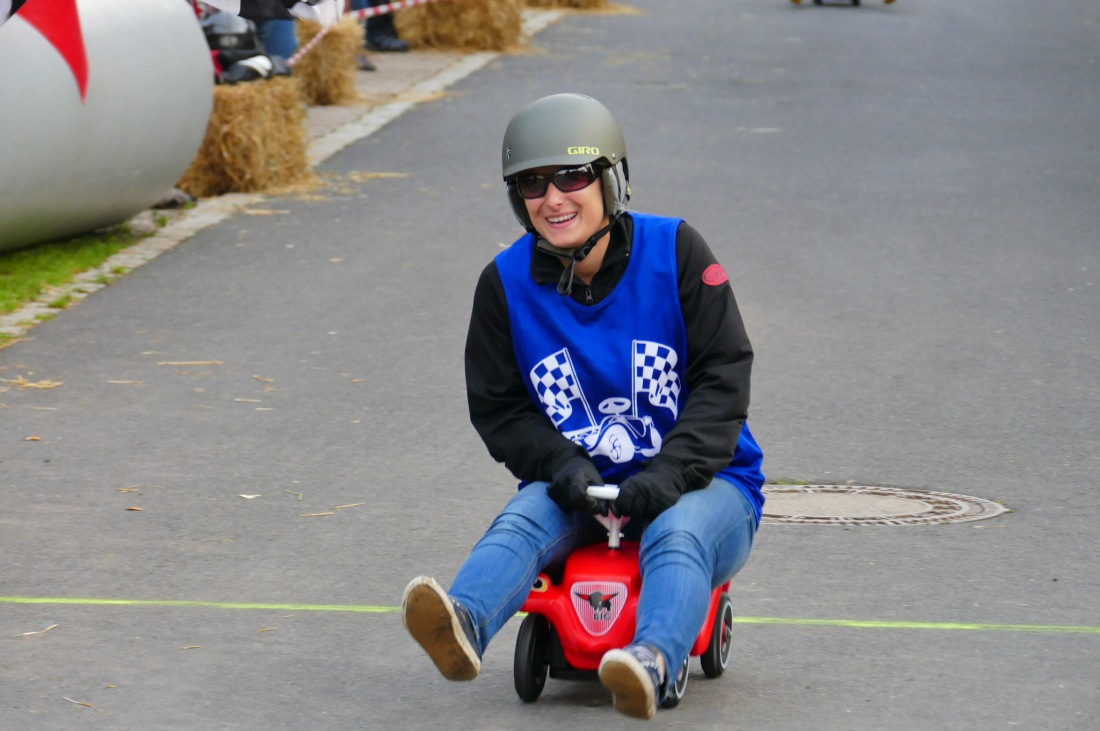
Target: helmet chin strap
(565, 284)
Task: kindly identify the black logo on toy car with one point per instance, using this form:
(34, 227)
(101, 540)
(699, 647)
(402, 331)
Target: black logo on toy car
(600, 603)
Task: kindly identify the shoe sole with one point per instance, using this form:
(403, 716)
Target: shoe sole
(381, 48)
(429, 616)
(629, 683)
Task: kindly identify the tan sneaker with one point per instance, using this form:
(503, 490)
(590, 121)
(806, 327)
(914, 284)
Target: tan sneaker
(633, 675)
(443, 627)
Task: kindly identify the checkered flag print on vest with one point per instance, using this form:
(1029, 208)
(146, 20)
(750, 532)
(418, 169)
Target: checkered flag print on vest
(655, 374)
(555, 382)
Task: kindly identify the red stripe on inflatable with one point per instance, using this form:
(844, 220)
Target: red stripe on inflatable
(59, 22)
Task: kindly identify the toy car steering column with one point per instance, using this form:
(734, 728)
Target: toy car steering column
(613, 524)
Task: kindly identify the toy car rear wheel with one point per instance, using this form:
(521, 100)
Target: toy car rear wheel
(678, 688)
(717, 655)
(532, 657)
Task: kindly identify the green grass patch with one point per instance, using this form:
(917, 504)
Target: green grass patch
(62, 302)
(26, 273)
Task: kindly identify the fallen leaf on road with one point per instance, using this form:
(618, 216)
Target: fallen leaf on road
(266, 629)
(316, 515)
(429, 96)
(250, 497)
(32, 439)
(23, 383)
(361, 175)
(135, 509)
(41, 631)
(79, 703)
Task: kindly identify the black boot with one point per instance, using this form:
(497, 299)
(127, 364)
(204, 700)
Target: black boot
(382, 34)
(386, 44)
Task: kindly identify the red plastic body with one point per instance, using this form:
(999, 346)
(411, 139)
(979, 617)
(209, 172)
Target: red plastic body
(594, 607)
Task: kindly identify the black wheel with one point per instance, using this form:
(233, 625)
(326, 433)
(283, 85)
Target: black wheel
(678, 688)
(717, 655)
(532, 657)
(856, 3)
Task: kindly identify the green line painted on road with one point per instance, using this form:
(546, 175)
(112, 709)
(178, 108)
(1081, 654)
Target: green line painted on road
(376, 609)
(945, 626)
(91, 602)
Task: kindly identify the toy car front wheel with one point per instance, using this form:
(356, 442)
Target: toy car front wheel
(678, 688)
(717, 655)
(532, 657)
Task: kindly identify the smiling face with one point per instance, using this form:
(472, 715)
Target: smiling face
(567, 220)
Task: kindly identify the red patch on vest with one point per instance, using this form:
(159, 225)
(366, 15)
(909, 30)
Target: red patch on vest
(715, 275)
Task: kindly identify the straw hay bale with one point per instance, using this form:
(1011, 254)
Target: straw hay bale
(576, 4)
(327, 71)
(255, 140)
(464, 25)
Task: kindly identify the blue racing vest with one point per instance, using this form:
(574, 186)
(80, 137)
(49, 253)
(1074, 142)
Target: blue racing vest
(610, 376)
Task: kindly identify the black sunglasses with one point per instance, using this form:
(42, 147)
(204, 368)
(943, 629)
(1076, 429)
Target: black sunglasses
(535, 185)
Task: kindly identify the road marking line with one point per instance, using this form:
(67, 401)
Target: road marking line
(379, 609)
(946, 626)
(90, 602)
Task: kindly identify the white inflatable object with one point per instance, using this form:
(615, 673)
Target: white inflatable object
(67, 165)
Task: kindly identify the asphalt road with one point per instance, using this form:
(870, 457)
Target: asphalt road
(906, 198)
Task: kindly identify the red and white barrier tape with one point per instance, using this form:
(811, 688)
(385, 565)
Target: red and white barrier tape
(303, 50)
(361, 15)
(389, 8)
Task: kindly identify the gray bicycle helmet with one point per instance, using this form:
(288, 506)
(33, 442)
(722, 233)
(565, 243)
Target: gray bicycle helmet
(566, 130)
(228, 32)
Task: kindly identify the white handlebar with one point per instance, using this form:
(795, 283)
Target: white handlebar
(603, 492)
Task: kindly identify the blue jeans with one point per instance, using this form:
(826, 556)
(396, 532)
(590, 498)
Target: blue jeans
(692, 547)
(278, 37)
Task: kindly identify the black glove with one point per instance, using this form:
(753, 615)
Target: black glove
(570, 482)
(648, 494)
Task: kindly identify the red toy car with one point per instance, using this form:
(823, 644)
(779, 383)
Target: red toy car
(571, 623)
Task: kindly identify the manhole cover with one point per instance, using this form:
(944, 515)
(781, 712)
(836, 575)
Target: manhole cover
(865, 505)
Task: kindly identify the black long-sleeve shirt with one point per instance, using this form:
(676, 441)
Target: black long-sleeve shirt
(719, 364)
